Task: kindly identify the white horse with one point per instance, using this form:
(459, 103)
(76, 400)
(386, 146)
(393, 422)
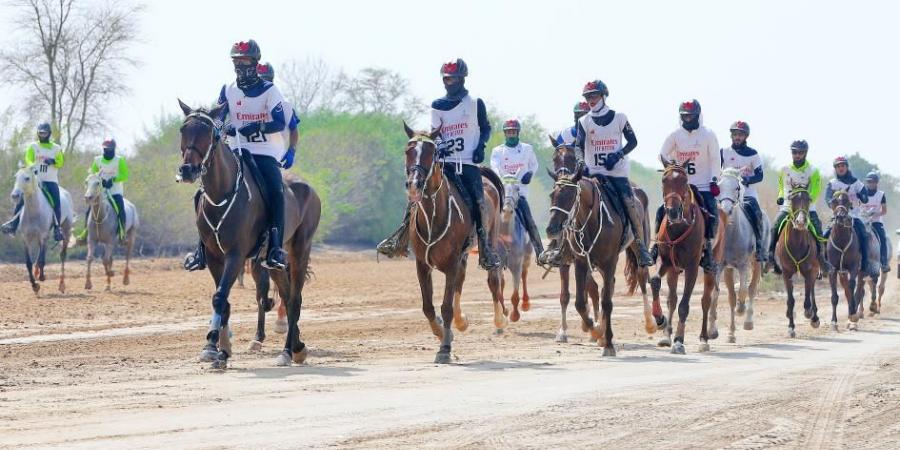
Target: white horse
(517, 250)
(103, 229)
(875, 283)
(36, 221)
(738, 255)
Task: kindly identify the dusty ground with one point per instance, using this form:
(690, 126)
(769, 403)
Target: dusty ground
(119, 370)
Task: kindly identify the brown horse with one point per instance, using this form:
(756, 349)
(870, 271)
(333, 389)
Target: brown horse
(231, 220)
(442, 234)
(796, 253)
(680, 242)
(843, 252)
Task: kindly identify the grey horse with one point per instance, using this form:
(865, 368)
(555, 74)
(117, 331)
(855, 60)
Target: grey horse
(516, 248)
(103, 230)
(738, 255)
(875, 280)
(36, 221)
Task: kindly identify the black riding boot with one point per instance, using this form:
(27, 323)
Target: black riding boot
(12, 225)
(708, 262)
(654, 250)
(53, 189)
(270, 170)
(524, 211)
(397, 244)
(756, 217)
(276, 258)
(488, 259)
(824, 265)
(637, 227)
(120, 216)
(197, 260)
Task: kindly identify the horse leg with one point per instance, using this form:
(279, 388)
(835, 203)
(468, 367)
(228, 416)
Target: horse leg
(671, 302)
(298, 267)
(811, 295)
(90, 259)
(219, 328)
(426, 287)
(460, 320)
(649, 321)
(515, 270)
(107, 265)
(684, 306)
(42, 261)
(129, 245)
(659, 319)
(593, 290)
(526, 300)
(880, 294)
(263, 304)
(211, 349)
(833, 282)
(64, 247)
(609, 282)
(443, 355)
(714, 306)
(789, 287)
(582, 274)
(561, 335)
(706, 306)
(30, 266)
(734, 306)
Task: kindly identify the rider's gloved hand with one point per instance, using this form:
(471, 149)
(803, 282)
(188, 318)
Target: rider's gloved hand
(745, 181)
(478, 156)
(714, 188)
(612, 159)
(50, 162)
(229, 130)
(249, 129)
(779, 201)
(107, 184)
(288, 160)
(527, 177)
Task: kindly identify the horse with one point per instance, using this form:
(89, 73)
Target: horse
(103, 228)
(35, 221)
(680, 240)
(875, 281)
(516, 247)
(441, 234)
(231, 220)
(736, 251)
(796, 253)
(843, 252)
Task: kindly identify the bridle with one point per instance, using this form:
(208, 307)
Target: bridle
(842, 219)
(684, 199)
(735, 202)
(573, 233)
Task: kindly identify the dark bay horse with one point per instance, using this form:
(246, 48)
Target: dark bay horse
(843, 252)
(796, 253)
(231, 220)
(680, 241)
(442, 234)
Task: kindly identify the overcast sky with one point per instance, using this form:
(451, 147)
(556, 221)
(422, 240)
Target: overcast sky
(824, 71)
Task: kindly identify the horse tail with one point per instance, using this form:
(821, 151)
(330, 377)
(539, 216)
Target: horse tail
(488, 173)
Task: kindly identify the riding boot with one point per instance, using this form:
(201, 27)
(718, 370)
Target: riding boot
(12, 225)
(276, 258)
(397, 244)
(53, 190)
(120, 217)
(488, 259)
(534, 236)
(654, 250)
(758, 231)
(197, 260)
(637, 227)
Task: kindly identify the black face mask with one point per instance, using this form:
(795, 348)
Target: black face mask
(692, 124)
(246, 75)
(456, 90)
(109, 154)
(43, 138)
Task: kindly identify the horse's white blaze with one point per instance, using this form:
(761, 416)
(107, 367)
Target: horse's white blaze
(415, 179)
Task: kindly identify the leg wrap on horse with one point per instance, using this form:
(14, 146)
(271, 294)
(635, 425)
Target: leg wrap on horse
(273, 194)
(524, 213)
(630, 205)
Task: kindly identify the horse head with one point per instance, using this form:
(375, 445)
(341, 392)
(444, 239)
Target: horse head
(26, 183)
(511, 195)
(677, 194)
(565, 160)
(840, 204)
(564, 203)
(199, 135)
(421, 152)
(800, 202)
(731, 190)
(93, 188)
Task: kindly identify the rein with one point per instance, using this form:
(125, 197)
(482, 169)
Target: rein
(452, 204)
(663, 237)
(839, 223)
(573, 232)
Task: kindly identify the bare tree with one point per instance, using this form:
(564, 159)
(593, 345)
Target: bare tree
(309, 84)
(377, 90)
(71, 60)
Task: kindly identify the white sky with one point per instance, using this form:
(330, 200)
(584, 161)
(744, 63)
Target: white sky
(825, 71)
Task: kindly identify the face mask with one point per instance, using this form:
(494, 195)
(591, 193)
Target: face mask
(456, 90)
(512, 141)
(691, 124)
(246, 75)
(599, 106)
(44, 138)
(109, 154)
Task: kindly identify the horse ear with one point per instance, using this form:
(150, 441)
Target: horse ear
(217, 110)
(553, 143)
(552, 175)
(435, 133)
(184, 108)
(21, 165)
(409, 132)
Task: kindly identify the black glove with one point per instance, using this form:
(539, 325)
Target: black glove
(443, 150)
(862, 196)
(229, 130)
(527, 177)
(249, 129)
(780, 201)
(107, 184)
(612, 159)
(50, 162)
(745, 181)
(478, 156)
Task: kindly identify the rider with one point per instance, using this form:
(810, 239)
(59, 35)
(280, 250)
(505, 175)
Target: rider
(744, 158)
(845, 181)
(113, 172)
(696, 148)
(292, 134)
(465, 130)
(876, 206)
(255, 112)
(799, 173)
(567, 136)
(514, 158)
(599, 138)
(49, 157)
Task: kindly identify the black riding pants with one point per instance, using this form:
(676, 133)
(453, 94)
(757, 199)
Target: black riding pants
(120, 209)
(470, 180)
(273, 190)
(878, 229)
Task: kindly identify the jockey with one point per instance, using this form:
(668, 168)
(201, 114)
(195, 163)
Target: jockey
(599, 138)
(465, 129)
(845, 181)
(514, 158)
(49, 157)
(742, 157)
(567, 136)
(254, 116)
(799, 173)
(113, 172)
(696, 148)
(291, 135)
(875, 206)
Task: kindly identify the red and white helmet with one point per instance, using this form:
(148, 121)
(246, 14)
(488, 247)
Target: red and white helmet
(512, 124)
(841, 160)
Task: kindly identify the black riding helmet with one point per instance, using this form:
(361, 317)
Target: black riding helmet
(245, 71)
(266, 72)
(43, 131)
(246, 49)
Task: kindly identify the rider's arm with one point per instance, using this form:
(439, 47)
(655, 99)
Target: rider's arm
(95, 168)
(277, 114)
(861, 192)
(59, 157)
(883, 206)
(222, 101)
(781, 185)
(667, 150)
(123, 171)
(483, 124)
(815, 186)
(757, 171)
(495, 161)
(829, 193)
(29, 155)
(630, 138)
(532, 163)
(294, 126)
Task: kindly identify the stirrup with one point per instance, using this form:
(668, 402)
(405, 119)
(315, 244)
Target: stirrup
(195, 261)
(57, 234)
(391, 247)
(275, 259)
(9, 227)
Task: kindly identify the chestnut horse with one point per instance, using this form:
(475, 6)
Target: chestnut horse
(796, 253)
(843, 252)
(680, 240)
(442, 234)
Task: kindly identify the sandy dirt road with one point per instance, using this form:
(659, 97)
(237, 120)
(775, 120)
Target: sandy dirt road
(119, 370)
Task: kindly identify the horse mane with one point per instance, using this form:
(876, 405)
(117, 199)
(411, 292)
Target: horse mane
(495, 180)
(733, 172)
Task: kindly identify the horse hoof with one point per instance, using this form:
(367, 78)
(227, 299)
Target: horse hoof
(108, 288)
(42, 278)
(88, 285)
(703, 347)
(741, 308)
(732, 339)
(714, 334)
(664, 342)
(834, 326)
(442, 358)
(281, 326)
(609, 351)
(126, 281)
(678, 349)
(255, 346)
(208, 355)
(498, 331)
(748, 326)
(791, 333)
(853, 318)
(283, 359)
(807, 313)
(514, 316)
(526, 304)
(62, 288)
(561, 338)
(814, 323)
(462, 322)
(852, 326)
(36, 288)
(300, 357)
